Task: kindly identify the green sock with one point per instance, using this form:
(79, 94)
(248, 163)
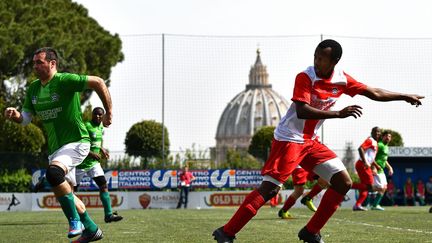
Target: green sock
(106, 201)
(88, 222)
(68, 206)
(378, 198)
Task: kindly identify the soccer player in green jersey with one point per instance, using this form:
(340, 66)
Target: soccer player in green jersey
(92, 167)
(380, 181)
(55, 98)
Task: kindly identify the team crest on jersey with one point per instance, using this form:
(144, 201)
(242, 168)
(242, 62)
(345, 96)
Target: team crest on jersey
(335, 91)
(34, 100)
(55, 97)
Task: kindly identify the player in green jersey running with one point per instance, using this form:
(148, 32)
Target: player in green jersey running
(55, 98)
(92, 167)
(380, 181)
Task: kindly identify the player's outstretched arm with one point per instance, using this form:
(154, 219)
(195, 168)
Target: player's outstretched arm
(305, 111)
(385, 95)
(98, 85)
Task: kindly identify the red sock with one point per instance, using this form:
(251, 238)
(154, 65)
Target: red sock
(289, 203)
(274, 200)
(245, 213)
(314, 191)
(359, 186)
(329, 203)
(362, 196)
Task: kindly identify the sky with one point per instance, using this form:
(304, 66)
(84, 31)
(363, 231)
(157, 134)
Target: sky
(370, 19)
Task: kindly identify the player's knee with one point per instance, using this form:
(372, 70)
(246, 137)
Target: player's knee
(341, 182)
(101, 182)
(268, 190)
(55, 175)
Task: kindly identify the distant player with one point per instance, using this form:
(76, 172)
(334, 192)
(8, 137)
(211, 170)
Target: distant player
(91, 165)
(367, 152)
(300, 177)
(380, 180)
(315, 91)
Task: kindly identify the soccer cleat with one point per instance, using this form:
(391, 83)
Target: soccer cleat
(75, 228)
(430, 210)
(359, 208)
(284, 215)
(378, 207)
(221, 237)
(89, 237)
(309, 203)
(308, 237)
(114, 217)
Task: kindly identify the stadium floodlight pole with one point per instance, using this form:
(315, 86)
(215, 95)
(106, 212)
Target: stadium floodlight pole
(322, 125)
(163, 100)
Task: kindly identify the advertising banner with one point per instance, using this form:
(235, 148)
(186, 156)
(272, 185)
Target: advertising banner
(15, 202)
(158, 179)
(47, 201)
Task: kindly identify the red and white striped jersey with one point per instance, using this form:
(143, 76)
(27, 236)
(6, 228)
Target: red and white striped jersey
(370, 147)
(319, 93)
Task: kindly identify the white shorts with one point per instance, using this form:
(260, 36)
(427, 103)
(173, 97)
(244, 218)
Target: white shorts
(380, 181)
(93, 172)
(325, 170)
(70, 155)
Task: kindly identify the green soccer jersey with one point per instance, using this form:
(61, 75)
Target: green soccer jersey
(95, 132)
(58, 105)
(381, 156)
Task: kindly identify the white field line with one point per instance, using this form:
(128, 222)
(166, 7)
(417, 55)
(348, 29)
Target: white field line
(373, 225)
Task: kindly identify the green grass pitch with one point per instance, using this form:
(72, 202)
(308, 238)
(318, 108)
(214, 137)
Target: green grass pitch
(395, 224)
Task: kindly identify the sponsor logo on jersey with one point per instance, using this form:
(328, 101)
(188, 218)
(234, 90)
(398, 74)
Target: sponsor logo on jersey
(55, 97)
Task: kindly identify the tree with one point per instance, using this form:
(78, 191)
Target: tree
(144, 139)
(240, 160)
(87, 113)
(261, 143)
(16, 138)
(82, 44)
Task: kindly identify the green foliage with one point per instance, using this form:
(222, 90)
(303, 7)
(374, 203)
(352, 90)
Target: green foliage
(16, 138)
(87, 113)
(144, 139)
(17, 181)
(261, 143)
(82, 44)
(240, 160)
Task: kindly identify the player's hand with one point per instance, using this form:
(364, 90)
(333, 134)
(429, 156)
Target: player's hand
(105, 153)
(107, 119)
(11, 113)
(414, 99)
(352, 110)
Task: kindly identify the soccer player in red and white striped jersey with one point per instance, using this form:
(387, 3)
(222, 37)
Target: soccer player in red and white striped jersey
(367, 152)
(315, 91)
